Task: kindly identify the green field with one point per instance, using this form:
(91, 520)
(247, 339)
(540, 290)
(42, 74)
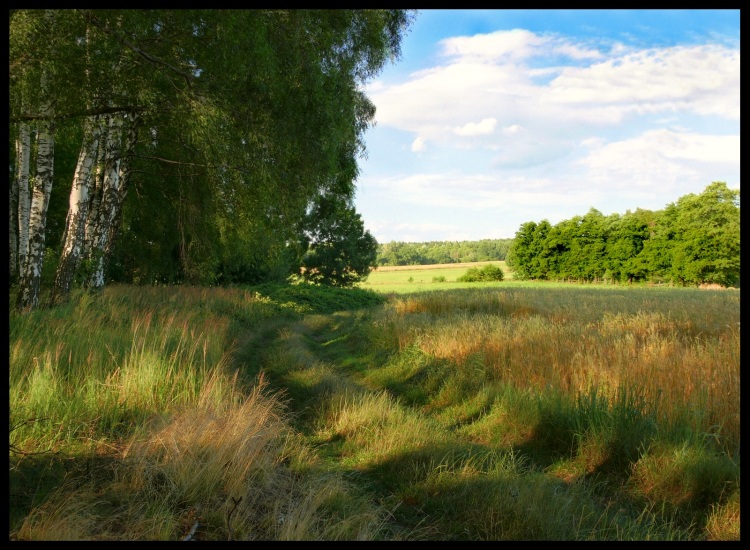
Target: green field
(418, 278)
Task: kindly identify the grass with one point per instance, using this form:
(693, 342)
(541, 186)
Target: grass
(501, 412)
(419, 278)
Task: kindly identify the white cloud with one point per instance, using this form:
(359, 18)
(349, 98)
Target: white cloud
(418, 145)
(487, 126)
(700, 79)
(555, 127)
(662, 158)
(486, 77)
(577, 52)
(513, 45)
(473, 192)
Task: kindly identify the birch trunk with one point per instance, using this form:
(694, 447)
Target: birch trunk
(95, 191)
(78, 205)
(13, 224)
(126, 164)
(28, 296)
(118, 155)
(13, 220)
(23, 153)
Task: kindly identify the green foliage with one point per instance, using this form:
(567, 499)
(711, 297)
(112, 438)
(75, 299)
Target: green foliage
(442, 252)
(248, 115)
(693, 241)
(707, 249)
(339, 250)
(486, 273)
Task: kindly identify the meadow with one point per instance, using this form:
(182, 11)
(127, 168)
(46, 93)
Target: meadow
(501, 411)
(417, 278)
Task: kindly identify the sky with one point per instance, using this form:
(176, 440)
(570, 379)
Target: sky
(494, 118)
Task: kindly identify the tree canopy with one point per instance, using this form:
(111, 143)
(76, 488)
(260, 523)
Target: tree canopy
(339, 250)
(195, 141)
(693, 241)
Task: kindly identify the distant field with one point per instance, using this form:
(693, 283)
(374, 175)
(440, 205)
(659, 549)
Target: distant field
(416, 278)
(464, 265)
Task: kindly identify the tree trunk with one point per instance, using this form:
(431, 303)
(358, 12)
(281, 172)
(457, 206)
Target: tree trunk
(13, 227)
(95, 191)
(117, 162)
(75, 225)
(13, 224)
(31, 276)
(23, 153)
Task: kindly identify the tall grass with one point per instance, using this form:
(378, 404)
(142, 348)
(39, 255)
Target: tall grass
(498, 413)
(590, 383)
(131, 418)
(680, 346)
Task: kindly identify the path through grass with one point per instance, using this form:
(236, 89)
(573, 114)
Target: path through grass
(427, 454)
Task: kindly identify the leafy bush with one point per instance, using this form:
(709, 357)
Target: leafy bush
(487, 273)
(440, 279)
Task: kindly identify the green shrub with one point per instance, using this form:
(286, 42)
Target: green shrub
(440, 279)
(487, 273)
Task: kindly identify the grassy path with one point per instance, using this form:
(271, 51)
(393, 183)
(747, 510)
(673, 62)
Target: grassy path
(339, 414)
(416, 463)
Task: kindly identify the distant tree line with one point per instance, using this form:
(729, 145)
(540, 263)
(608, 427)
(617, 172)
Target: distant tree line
(693, 241)
(442, 252)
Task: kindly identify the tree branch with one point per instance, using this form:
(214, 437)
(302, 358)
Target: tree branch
(88, 112)
(169, 161)
(148, 57)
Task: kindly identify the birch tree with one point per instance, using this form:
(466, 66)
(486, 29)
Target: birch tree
(20, 201)
(118, 153)
(78, 209)
(31, 269)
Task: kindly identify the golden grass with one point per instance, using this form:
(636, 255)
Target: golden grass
(685, 354)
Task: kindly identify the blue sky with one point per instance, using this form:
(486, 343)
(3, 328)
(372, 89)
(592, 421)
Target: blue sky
(492, 118)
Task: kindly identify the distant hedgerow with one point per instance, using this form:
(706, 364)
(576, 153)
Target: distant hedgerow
(487, 273)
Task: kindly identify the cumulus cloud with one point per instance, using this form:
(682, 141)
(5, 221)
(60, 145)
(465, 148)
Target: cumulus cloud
(496, 77)
(662, 158)
(700, 79)
(486, 126)
(514, 45)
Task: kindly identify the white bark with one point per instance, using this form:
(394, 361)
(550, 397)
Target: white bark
(95, 191)
(41, 190)
(23, 153)
(78, 205)
(118, 153)
(13, 223)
